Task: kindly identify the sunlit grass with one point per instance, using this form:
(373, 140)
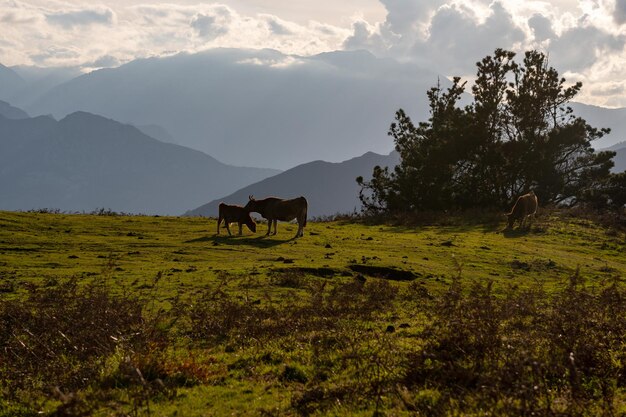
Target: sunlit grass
(172, 262)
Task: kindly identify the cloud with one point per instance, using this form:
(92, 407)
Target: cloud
(541, 27)
(579, 48)
(83, 17)
(277, 27)
(609, 89)
(457, 38)
(366, 36)
(582, 37)
(55, 56)
(105, 61)
(619, 15)
(19, 17)
(212, 25)
(403, 16)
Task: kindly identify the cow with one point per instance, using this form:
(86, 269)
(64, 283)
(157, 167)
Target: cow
(524, 209)
(274, 209)
(231, 214)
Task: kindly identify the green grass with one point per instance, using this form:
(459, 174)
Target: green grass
(187, 252)
(162, 260)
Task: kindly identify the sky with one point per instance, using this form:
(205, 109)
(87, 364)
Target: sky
(584, 39)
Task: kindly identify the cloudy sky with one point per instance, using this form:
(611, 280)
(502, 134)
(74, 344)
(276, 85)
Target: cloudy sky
(585, 39)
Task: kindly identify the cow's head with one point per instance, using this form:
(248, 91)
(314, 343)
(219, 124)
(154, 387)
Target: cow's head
(249, 221)
(251, 204)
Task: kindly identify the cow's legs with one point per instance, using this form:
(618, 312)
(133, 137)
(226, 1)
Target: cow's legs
(219, 220)
(269, 227)
(299, 233)
(227, 227)
(275, 225)
(240, 226)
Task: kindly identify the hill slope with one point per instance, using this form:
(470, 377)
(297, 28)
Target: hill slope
(330, 188)
(601, 117)
(10, 83)
(11, 112)
(84, 162)
(620, 159)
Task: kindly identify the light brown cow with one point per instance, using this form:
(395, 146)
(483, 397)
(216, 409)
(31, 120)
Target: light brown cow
(274, 209)
(231, 214)
(524, 210)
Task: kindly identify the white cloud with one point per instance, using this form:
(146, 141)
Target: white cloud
(277, 26)
(541, 27)
(578, 49)
(619, 13)
(70, 19)
(583, 37)
(213, 24)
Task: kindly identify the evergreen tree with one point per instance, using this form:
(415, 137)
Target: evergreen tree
(518, 134)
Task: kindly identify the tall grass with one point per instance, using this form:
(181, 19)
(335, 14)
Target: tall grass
(78, 348)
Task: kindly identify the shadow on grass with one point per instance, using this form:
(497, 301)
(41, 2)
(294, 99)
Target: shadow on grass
(258, 241)
(513, 233)
(446, 229)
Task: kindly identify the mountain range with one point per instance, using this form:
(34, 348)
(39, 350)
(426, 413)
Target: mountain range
(184, 115)
(330, 188)
(85, 162)
(11, 112)
(262, 107)
(255, 107)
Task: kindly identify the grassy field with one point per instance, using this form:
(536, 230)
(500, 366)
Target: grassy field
(350, 319)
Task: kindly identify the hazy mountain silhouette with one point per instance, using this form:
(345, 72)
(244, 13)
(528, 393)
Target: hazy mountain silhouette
(11, 112)
(255, 107)
(601, 117)
(619, 158)
(37, 81)
(11, 84)
(330, 188)
(84, 162)
(157, 132)
(265, 108)
(615, 147)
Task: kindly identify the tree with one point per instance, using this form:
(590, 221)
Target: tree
(517, 134)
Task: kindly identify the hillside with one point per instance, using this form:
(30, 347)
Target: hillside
(11, 112)
(620, 159)
(159, 316)
(11, 84)
(85, 162)
(330, 188)
(601, 117)
(38, 81)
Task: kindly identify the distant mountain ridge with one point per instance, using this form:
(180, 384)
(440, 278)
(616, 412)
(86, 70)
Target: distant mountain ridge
(255, 107)
(620, 159)
(84, 162)
(11, 112)
(265, 108)
(330, 188)
(600, 117)
(11, 84)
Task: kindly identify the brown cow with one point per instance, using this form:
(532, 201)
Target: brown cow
(274, 209)
(231, 214)
(524, 209)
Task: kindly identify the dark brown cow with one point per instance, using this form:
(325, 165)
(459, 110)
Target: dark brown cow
(524, 209)
(274, 209)
(231, 214)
